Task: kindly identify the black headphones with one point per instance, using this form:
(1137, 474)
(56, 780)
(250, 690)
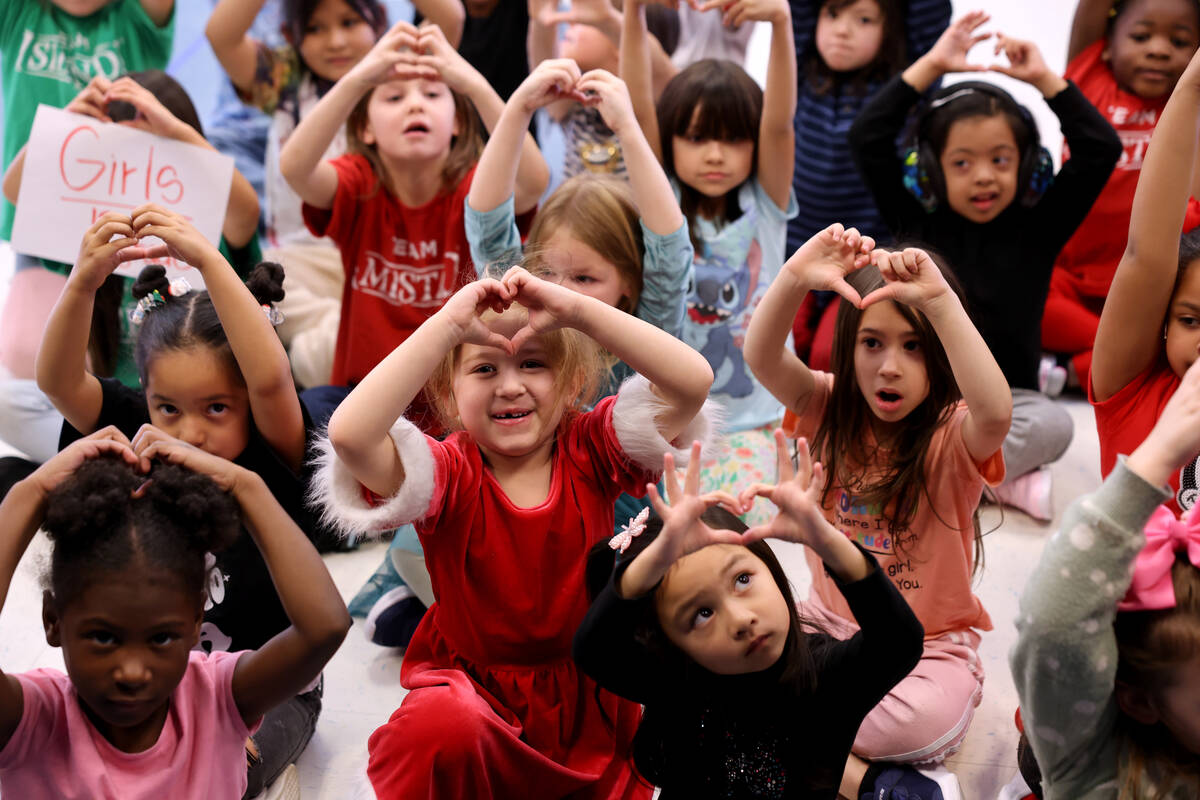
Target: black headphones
(923, 175)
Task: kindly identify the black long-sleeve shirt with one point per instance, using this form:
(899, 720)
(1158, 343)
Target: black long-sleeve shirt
(742, 736)
(1004, 265)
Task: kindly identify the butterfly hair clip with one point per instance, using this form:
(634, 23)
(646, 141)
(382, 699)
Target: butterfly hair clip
(636, 525)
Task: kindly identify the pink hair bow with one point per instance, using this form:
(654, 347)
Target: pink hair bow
(636, 525)
(1152, 589)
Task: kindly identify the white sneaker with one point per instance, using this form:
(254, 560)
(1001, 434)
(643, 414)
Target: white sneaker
(946, 780)
(1052, 378)
(1030, 493)
(1016, 789)
(285, 787)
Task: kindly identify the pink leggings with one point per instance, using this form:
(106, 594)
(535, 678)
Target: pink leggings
(925, 717)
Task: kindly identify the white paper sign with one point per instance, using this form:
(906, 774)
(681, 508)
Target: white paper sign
(78, 168)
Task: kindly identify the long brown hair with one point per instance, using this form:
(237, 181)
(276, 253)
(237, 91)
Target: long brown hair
(1151, 647)
(465, 147)
(599, 211)
(841, 440)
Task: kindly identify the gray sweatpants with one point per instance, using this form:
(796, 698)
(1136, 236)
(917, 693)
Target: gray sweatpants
(1041, 432)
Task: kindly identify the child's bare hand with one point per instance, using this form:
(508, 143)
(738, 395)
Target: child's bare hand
(911, 277)
(152, 115)
(90, 100)
(737, 12)
(797, 495)
(949, 52)
(462, 311)
(100, 253)
(553, 79)
(550, 305)
(608, 93)
(394, 57)
(824, 261)
(181, 240)
(153, 444)
(683, 532)
(437, 54)
(1025, 63)
(106, 441)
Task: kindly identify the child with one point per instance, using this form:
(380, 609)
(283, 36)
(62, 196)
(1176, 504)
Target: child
(214, 375)
(37, 65)
(978, 187)
(698, 623)
(507, 509)
(591, 40)
(727, 147)
(1148, 333)
(628, 247)
(847, 50)
(1108, 686)
(394, 202)
(139, 712)
(1126, 58)
(325, 38)
(910, 426)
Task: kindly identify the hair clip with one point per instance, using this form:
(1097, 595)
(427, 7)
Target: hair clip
(950, 98)
(137, 493)
(636, 525)
(178, 287)
(274, 315)
(137, 314)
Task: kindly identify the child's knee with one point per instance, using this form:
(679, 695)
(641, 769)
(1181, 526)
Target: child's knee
(436, 727)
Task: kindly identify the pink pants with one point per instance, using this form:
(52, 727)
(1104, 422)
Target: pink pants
(925, 717)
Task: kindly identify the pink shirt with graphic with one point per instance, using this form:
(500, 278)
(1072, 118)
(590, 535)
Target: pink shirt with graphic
(932, 565)
(57, 754)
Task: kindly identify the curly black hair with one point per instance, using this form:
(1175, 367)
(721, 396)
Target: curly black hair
(190, 319)
(108, 516)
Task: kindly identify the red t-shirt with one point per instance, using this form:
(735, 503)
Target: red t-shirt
(1092, 254)
(401, 263)
(1126, 419)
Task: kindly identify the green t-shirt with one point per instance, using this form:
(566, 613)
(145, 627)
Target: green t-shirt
(48, 56)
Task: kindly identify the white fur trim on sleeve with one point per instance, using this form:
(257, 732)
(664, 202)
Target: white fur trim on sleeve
(340, 496)
(634, 414)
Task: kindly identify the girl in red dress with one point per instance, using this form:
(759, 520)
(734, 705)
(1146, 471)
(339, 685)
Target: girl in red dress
(507, 508)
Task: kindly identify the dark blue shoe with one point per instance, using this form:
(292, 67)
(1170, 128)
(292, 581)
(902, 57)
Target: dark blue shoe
(394, 617)
(902, 782)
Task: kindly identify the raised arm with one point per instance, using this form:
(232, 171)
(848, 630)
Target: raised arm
(1130, 333)
(532, 176)
(261, 359)
(227, 30)
(821, 264)
(652, 192)
(302, 159)
(448, 15)
(159, 11)
(1088, 25)
(21, 514)
(678, 375)
(636, 72)
(496, 173)
(358, 429)
(61, 366)
(913, 279)
(293, 658)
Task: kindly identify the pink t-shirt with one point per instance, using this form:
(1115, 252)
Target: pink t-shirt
(56, 753)
(932, 566)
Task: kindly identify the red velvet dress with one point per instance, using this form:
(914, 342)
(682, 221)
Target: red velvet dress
(496, 707)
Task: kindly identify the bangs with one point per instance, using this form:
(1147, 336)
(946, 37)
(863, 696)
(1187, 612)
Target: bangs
(725, 102)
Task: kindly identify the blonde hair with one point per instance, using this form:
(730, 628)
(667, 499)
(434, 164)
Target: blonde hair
(465, 147)
(599, 211)
(1151, 646)
(580, 367)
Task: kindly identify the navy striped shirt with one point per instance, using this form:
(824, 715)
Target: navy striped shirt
(828, 187)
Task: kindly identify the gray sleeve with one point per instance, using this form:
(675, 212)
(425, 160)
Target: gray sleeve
(492, 236)
(666, 266)
(1065, 660)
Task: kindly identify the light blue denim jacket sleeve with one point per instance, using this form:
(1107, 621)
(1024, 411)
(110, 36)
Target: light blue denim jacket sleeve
(666, 267)
(493, 236)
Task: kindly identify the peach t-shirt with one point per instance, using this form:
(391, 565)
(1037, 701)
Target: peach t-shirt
(932, 568)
